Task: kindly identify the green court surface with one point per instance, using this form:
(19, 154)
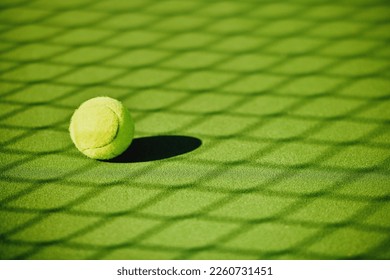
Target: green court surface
(262, 129)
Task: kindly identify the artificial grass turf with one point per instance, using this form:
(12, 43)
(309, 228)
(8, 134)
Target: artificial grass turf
(284, 106)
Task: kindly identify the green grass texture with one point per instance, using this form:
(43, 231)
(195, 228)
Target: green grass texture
(262, 129)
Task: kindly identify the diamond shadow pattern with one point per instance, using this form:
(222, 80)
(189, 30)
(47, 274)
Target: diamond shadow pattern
(290, 99)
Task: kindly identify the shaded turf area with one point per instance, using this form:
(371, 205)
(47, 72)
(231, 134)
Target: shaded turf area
(262, 129)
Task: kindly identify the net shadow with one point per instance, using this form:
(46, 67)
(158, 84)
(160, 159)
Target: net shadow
(154, 148)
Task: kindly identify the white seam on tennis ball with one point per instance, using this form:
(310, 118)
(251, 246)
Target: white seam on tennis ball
(116, 133)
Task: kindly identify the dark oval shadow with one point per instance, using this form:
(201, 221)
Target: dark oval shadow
(157, 147)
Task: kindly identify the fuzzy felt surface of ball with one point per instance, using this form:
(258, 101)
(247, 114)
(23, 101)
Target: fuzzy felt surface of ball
(102, 128)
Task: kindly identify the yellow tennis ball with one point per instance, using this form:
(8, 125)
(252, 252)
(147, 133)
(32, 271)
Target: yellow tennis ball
(102, 128)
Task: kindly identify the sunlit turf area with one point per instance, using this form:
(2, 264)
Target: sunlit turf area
(262, 129)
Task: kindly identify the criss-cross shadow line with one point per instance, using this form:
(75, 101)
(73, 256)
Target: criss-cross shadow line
(154, 148)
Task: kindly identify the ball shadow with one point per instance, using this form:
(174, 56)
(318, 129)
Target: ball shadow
(157, 147)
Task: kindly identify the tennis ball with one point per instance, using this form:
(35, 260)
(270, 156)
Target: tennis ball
(102, 128)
